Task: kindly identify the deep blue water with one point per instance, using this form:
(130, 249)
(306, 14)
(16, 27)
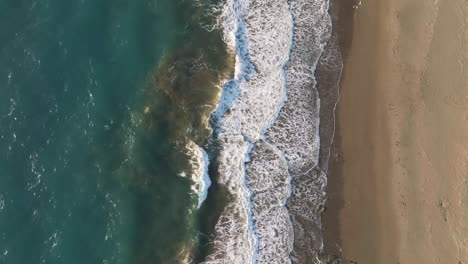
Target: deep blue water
(85, 176)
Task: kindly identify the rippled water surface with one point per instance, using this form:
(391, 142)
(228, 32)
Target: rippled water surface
(100, 101)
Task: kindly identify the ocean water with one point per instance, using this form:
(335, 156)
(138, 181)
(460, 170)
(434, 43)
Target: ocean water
(102, 105)
(164, 131)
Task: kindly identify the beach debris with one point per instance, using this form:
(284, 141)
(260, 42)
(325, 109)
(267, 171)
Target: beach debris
(358, 5)
(319, 208)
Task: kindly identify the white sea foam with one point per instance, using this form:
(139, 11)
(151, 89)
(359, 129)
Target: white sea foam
(270, 182)
(296, 131)
(199, 163)
(264, 41)
(235, 240)
(269, 139)
(261, 33)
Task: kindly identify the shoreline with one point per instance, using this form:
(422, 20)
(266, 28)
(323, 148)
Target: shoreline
(342, 14)
(397, 188)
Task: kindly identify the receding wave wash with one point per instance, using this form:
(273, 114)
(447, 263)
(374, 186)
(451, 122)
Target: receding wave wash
(165, 131)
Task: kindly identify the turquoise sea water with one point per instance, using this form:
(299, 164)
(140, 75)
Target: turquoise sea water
(96, 97)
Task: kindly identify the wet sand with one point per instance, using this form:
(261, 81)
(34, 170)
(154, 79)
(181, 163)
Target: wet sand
(398, 181)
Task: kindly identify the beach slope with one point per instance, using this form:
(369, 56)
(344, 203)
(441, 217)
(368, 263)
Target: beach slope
(398, 183)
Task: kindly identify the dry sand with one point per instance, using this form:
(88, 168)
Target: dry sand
(398, 183)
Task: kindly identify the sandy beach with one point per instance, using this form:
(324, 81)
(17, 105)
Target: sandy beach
(398, 181)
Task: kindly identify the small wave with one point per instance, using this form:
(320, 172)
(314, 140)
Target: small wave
(199, 163)
(2, 203)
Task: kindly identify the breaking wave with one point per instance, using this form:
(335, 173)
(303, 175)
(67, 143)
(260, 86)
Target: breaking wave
(267, 128)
